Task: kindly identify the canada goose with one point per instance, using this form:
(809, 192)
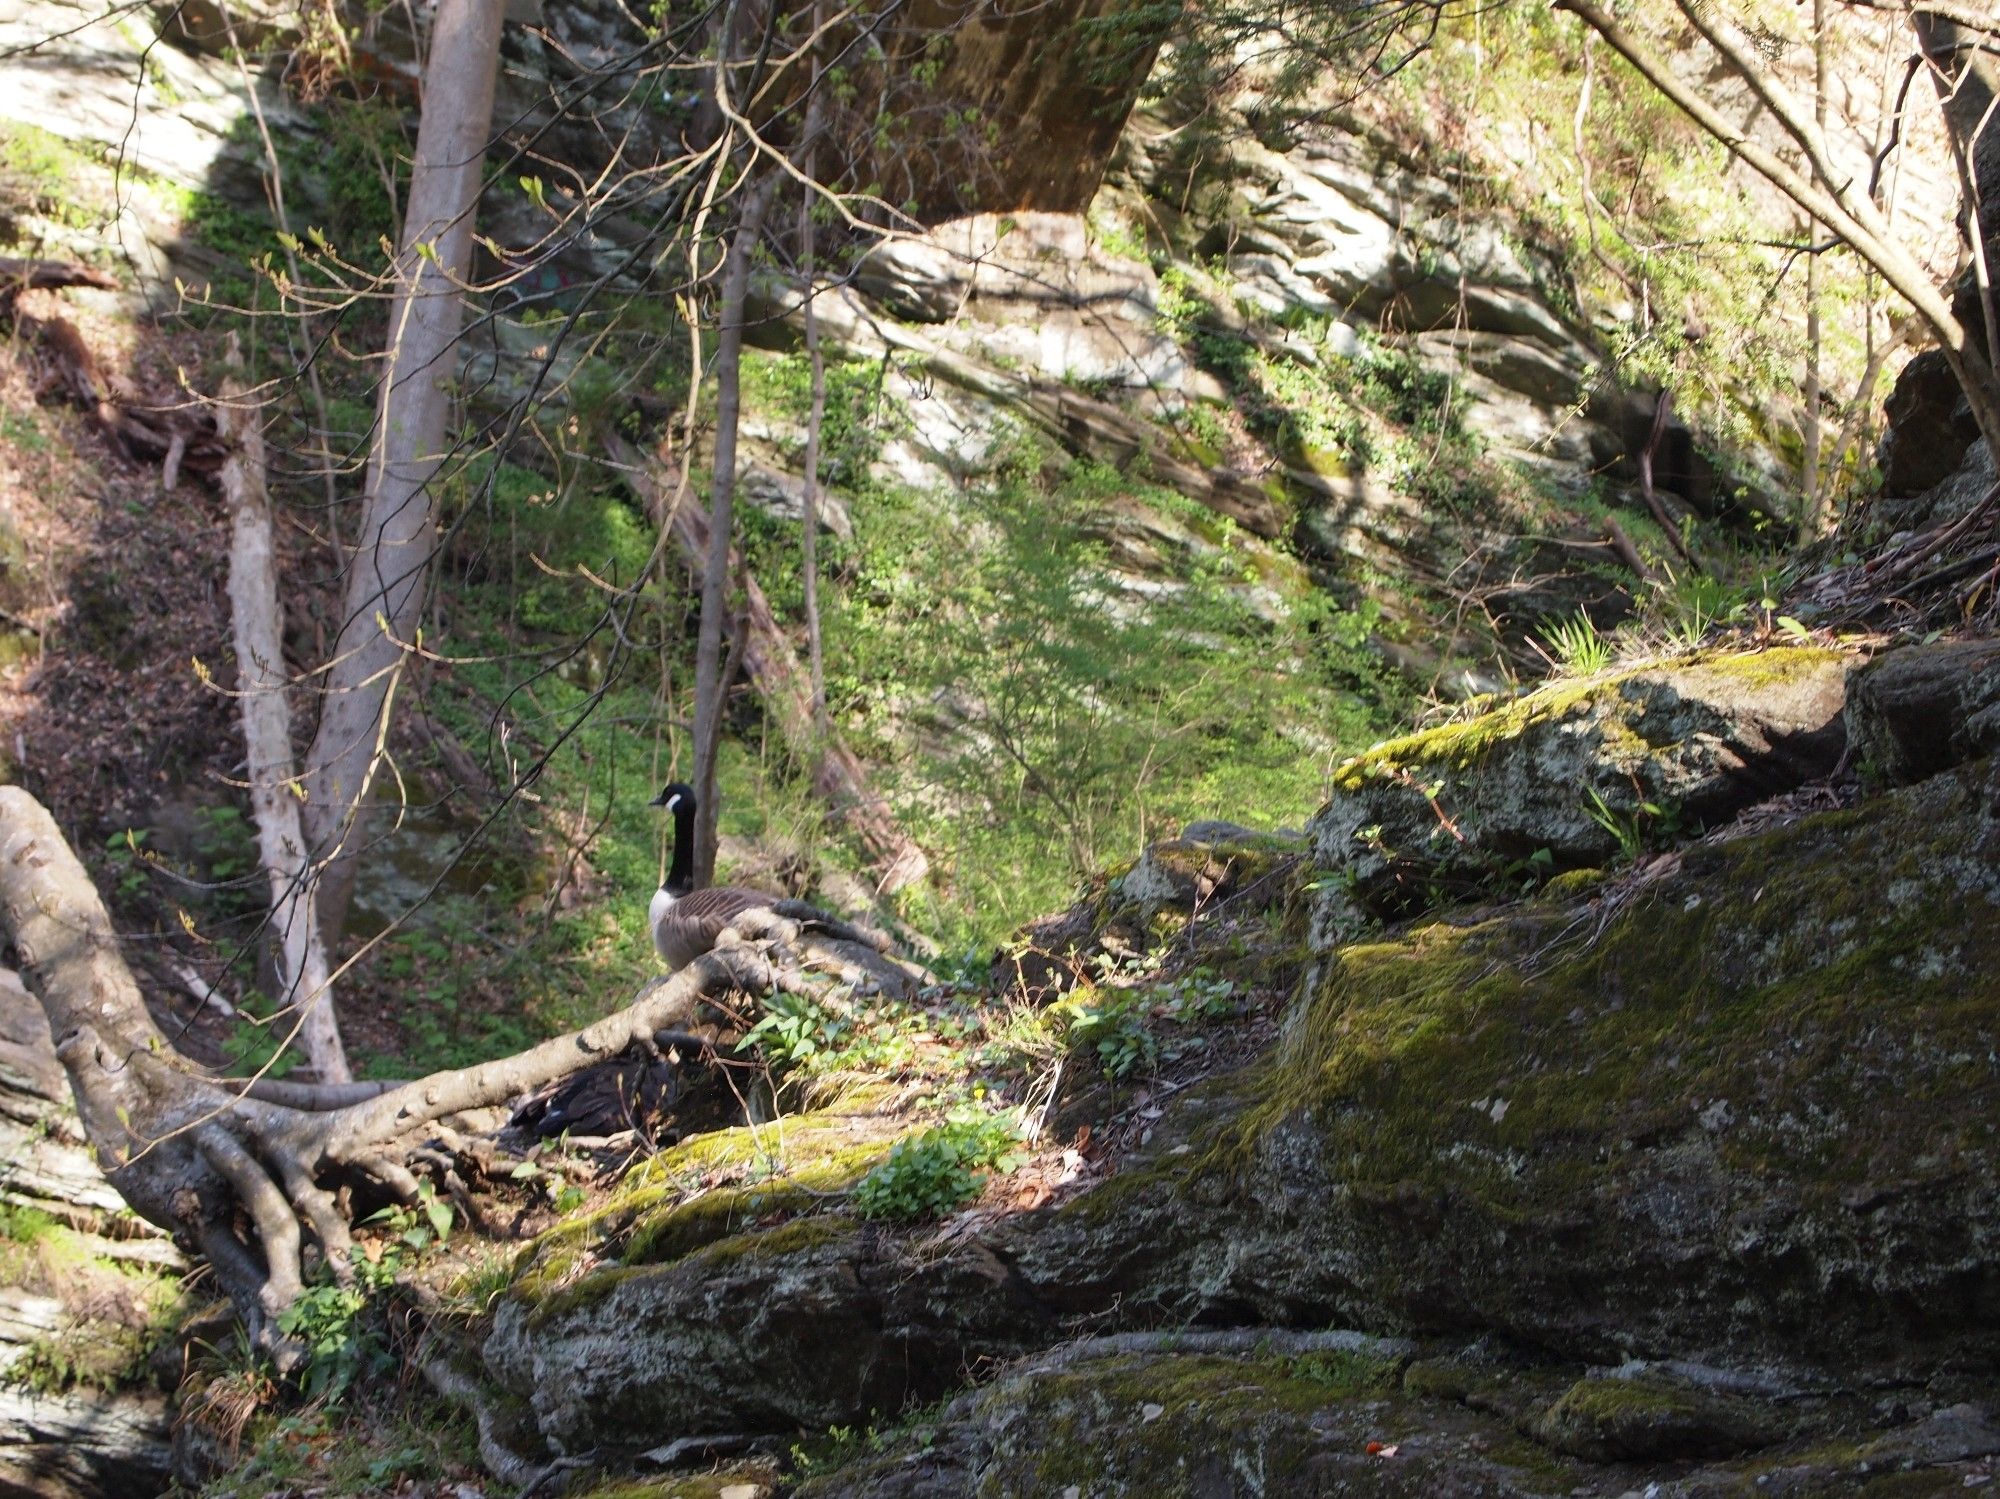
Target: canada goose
(686, 921)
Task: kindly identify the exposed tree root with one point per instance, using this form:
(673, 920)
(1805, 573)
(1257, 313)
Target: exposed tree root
(240, 1170)
(497, 1429)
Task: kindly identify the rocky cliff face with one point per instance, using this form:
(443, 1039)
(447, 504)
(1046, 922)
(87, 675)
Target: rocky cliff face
(1617, 1112)
(1309, 337)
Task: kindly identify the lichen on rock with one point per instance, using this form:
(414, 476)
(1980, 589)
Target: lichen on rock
(1548, 782)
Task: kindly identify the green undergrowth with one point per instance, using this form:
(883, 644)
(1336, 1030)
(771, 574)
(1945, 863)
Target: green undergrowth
(931, 1174)
(43, 174)
(114, 1313)
(1043, 718)
(395, 1439)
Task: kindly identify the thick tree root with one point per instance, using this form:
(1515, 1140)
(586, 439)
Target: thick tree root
(240, 1170)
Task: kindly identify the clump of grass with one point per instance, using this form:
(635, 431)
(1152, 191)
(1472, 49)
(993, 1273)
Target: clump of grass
(1573, 647)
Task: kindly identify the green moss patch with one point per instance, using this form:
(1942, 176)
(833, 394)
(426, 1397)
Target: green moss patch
(712, 1187)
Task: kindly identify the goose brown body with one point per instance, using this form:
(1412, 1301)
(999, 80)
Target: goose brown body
(685, 922)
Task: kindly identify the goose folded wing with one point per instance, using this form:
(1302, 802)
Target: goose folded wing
(692, 923)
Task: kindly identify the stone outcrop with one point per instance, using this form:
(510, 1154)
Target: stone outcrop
(1712, 1116)
(1470, 1423)
(1925, 708)
(1570, 776)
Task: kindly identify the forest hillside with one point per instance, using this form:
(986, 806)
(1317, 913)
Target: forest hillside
(1347, 654)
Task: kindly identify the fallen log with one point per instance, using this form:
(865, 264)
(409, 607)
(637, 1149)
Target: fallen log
(180, 438)
(17, 276)
(305, 984)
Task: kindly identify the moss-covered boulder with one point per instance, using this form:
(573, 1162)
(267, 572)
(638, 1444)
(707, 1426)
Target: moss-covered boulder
(1570, 777)
(724, 1289)
(819, 1322)
(1740, 1111)
(1205, 1425)
(1651, 1418)
(1262, 1425)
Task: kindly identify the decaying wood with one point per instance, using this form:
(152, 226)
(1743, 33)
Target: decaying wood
(143, 432)
(1628, 554)
(838, 776)
(1661, 411)
(247, 1172)
(1915, 577)
(305, 985)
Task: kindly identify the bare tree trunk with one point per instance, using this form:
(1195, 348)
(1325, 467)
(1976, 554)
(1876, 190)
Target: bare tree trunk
(838, 777)
(708, 684)
(267, 737)
(816, 417)
(398, 534)
(809, 508)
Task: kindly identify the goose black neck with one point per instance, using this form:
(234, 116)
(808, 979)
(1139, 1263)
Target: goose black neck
(680, 874)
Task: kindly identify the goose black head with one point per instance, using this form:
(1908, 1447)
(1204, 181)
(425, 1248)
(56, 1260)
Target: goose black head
(676, 797)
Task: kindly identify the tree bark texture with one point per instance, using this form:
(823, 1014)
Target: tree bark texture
(809, 505)
(267, 737)
(815, 126)
(398, 532)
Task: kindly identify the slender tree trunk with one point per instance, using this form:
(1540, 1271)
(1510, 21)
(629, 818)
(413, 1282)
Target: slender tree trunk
(708, 684)
(267, 737)
(838, 777)
(809, 561)
(816, 416)
(1810, 514)
(398, 533)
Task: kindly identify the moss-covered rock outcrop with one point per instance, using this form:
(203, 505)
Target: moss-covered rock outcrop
(1740, 1108)
(1736, 1108)
(1567, 776)
(819, 1322)
(1475, 1421)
